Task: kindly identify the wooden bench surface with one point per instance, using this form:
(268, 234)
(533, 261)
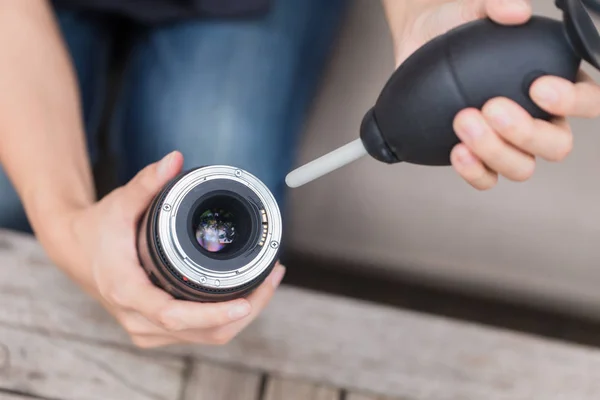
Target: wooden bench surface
(57, 343)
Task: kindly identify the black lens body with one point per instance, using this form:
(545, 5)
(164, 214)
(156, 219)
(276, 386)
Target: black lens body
(229, 207)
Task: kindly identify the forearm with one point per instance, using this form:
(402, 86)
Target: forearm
(42, 145)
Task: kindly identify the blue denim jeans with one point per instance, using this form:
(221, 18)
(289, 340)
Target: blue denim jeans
(220, 91)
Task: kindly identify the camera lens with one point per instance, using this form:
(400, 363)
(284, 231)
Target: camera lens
(212, 234)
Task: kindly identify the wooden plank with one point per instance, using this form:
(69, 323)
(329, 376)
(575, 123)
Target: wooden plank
(358, 396)
(9, 396)
(213, 382)
(56, 368)
(350, 344)
(288, 389)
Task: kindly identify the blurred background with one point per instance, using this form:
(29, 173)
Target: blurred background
(525, 256)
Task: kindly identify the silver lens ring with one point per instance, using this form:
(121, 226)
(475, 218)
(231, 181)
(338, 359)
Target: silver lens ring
(183, 262)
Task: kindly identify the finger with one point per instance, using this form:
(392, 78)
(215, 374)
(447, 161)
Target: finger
(139, 192)
(136, 324)
(130, 293)
(472, 169)
(222, 334)
(259, 299)
(148, 342)
(176, 316)
(179, 315)
(145, 333)
(552, 141)
(134, 292)
(562, 97)
(509, 12)
(473, 130)
(140, 328)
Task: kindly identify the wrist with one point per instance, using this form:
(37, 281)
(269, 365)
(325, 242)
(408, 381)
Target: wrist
(65, 243)
(51, 213)
(46, 198)
(402, 17)
(47, 212)
(396, 18)
(407, 24)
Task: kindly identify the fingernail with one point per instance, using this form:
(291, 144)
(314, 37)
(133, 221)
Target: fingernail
(472, 127)
(465, 157)
(499, 116)
(164, 164)
(239, 310)
(278, 275)
(546, 94)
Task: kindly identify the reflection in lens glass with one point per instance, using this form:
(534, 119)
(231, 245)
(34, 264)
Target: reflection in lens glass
(215, 230)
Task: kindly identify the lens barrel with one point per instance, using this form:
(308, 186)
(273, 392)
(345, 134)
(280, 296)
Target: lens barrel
(212, 234)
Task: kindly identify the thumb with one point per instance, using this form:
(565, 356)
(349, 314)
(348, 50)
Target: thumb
(509, 12)
(138, 193)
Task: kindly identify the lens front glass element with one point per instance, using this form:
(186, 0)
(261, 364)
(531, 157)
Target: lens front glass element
(216, 229)
(222, 224)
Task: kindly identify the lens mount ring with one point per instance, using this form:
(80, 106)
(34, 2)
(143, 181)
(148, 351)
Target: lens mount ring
(184, 263)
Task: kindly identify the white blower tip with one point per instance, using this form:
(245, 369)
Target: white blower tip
(326, 164)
